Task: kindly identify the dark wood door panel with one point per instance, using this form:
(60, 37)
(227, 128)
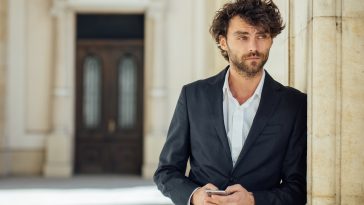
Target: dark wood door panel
(93, 158)
(123, 158)
(109, 157)
(108, 147)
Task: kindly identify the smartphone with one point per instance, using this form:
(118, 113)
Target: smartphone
(216, 192)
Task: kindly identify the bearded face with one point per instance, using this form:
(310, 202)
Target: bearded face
(248, 64)
(247, 47)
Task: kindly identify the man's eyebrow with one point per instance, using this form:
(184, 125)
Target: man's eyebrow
(241, 33)
(237, 33)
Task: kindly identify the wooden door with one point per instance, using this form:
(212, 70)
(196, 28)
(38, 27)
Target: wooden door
(109, 106)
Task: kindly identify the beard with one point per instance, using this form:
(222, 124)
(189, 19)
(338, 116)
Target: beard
(245, 68)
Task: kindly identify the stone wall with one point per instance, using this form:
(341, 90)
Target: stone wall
(2, 79)
(28, 66)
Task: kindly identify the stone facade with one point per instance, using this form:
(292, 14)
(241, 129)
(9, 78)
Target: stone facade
(3, 6)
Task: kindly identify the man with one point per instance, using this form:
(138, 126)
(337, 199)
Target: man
(242, 131)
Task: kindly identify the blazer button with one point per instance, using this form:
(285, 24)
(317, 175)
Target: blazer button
(231, 179)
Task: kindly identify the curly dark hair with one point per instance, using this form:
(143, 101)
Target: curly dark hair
(260, 13)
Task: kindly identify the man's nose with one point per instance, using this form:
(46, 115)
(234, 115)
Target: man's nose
(253, 46)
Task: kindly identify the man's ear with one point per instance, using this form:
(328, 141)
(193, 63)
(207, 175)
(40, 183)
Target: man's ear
(222, 42)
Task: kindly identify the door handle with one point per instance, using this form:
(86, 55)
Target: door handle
(111, 125)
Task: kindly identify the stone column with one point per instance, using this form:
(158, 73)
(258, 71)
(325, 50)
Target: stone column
(351, 186)
(155, 86)
(335, 104)
(324, 104)
(299, 31)
(3, 15)
(59, 150)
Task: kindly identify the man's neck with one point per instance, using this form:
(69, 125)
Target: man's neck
(241, 86)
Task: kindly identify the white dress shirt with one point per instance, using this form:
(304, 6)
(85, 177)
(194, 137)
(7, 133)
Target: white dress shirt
(238, 118)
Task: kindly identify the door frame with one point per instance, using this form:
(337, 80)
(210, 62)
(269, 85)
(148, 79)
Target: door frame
(61, 163)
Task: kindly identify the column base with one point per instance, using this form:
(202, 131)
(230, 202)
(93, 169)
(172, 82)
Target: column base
(57, 171)
(59, 161)
(4, 167)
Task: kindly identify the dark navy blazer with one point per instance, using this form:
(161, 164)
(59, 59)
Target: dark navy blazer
(272, 163)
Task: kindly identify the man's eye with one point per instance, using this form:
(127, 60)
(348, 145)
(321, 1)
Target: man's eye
(242, 38)
(263, 36)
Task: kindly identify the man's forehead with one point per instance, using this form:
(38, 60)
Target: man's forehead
(238, 24)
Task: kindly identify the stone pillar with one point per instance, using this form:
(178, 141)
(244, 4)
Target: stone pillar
(352, 104)
(156, 88)
(201, 39)
(299, 30)
(324, 104)
(59, 149)
(3, 15)
(335, 103)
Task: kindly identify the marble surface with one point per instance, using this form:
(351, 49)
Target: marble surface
(352, 142)
(336, 110)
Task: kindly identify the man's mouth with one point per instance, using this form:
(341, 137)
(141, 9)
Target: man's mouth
(252, 58)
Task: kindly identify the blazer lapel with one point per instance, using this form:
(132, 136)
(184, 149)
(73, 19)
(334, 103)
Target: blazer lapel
(269, 100)
(216, 100)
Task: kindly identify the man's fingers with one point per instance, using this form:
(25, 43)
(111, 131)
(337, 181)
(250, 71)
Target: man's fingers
(234, 188)
(199, 197)
(210, 201)
(210, 186)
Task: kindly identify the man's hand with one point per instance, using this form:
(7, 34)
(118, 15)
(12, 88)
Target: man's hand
(238, 196)
(198, 198)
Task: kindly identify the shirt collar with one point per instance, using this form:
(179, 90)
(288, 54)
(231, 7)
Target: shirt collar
(258, 90)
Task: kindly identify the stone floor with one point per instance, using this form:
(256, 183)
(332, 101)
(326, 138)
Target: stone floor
(80, 190)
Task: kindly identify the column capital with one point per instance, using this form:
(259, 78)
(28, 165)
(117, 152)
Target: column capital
(58, 7)
(156, 9)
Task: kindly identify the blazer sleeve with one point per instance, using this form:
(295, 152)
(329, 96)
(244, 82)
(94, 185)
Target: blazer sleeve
(170, 174)
(292, 190)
